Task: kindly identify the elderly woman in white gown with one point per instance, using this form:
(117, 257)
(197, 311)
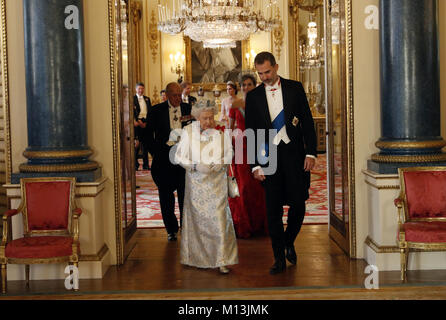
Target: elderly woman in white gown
(207, 235)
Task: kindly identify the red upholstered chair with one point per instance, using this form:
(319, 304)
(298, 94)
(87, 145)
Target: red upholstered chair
(421, 211)
(50, 226)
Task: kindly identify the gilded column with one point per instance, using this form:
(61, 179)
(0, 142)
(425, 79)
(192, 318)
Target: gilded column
(410, 87)
(55, 91)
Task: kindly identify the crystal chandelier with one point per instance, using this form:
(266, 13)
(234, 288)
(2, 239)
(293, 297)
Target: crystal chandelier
(312, 53)
(216, 23)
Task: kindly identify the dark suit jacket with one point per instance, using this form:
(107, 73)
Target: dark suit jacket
(140, 132)
(164, 173)
(158, 127)
(298, 120)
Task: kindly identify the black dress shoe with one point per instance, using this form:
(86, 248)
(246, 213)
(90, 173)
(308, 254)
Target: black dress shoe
(290, 254)
(277, 267)
(172, 237)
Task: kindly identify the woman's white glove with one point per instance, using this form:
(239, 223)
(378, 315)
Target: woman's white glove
(217, 167)
(203, 168)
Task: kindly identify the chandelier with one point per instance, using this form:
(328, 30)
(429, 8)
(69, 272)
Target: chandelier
(217, 23)
(312, 53)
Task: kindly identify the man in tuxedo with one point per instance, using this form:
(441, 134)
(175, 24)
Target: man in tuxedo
(281, 104)
(186, 97)
(168, 177)
(141, 106)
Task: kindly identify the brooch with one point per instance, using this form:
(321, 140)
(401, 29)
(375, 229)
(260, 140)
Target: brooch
(295, 121)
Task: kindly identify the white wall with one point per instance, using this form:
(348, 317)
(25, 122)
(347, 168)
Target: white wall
(367, 121)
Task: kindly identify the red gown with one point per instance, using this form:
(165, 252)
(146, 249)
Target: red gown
(249, 210)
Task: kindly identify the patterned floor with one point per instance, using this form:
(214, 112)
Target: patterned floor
(149, 213)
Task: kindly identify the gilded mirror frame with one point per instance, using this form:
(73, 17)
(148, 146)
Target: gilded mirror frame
(348, 163)
(123, 232)
(114, 60)
(5, 91)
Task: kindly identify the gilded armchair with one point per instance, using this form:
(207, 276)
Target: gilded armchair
(421, 211)
(50, 226)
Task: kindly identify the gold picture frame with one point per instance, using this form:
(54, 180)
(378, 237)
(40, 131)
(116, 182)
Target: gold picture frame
(239, 54)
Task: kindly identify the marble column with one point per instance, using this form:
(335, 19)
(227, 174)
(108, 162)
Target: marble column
(56, 91)
(410, 87)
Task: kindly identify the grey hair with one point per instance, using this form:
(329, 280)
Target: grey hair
(197, 109)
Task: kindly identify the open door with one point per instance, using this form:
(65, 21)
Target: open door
(340, 155)
(124, 130)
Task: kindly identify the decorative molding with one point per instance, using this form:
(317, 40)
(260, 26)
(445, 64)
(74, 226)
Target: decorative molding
(99, 186)
(350, 129)
(382, 187)
(278, 34)
(95, 257)
(378, 176)
(134, 42)
(435, 144)
(5, 93)
(313, 6)
(113, 20)
(153, 36)
(380, 249)
(59, 167)
(294, 12)
(408, 159)
(89, 195)
(57, 154)
(156, 96)
(136, 9)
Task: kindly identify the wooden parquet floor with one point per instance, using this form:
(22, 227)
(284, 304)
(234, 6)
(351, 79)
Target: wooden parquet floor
(152, 271)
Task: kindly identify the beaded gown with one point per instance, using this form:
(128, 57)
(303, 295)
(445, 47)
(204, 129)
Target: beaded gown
(207, 237)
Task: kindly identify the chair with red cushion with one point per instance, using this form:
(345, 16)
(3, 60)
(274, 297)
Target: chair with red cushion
(421, 211)
(50, 226)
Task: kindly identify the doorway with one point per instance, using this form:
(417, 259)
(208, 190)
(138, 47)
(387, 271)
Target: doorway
(332, 105)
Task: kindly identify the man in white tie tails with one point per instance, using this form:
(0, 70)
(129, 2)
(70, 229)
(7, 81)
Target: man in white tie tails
(168, 177)
(141, 106)
(282, 105)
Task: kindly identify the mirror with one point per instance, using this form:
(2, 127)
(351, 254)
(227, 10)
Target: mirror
(127, 153)
(339, 120)
(309, 48)
(312, 56)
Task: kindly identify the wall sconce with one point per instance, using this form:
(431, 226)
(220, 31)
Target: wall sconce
(250, 61)
(217, 93)
(177, 65)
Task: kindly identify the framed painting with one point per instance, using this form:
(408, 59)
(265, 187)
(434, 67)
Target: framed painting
(212, 68)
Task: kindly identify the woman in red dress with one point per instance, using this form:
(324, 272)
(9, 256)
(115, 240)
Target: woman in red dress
(248, 210)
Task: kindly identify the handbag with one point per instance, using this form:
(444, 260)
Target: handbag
(233, 190)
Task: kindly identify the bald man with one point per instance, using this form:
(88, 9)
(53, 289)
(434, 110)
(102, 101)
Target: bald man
(163, 118)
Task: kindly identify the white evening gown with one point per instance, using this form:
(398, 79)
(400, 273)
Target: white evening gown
(207, 235)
